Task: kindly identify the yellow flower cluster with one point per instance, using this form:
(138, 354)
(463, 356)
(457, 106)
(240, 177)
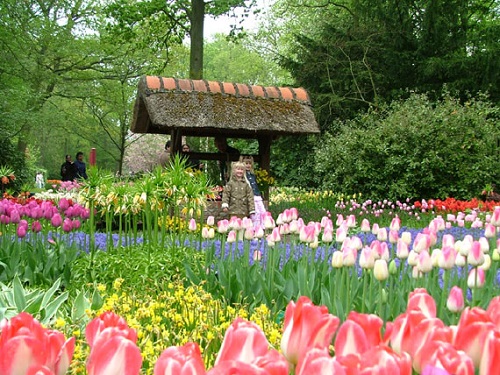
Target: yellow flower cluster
(264, 179)
(175, 316)
(174, 224)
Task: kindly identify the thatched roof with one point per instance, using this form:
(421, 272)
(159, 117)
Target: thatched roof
(209, 108)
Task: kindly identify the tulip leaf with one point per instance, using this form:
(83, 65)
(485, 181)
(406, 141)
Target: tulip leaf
(33, 306)
(97, 301)
(19, 294)
(51, 309)
(50, 293)
(79, 306)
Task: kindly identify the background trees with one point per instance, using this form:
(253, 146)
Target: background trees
(68, 79)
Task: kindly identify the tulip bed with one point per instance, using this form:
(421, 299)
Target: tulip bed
(347, 288)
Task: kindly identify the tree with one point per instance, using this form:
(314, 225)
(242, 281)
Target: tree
(364, 53)
(168, 22)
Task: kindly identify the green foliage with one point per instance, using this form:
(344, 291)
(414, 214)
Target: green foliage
(42, 304)
(35, 262)
(13, 159)
(414, 149)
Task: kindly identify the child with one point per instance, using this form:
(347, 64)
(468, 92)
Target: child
(257, 196)
(237, 198)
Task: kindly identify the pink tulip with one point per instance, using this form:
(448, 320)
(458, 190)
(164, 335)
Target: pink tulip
(422, 242)
(341, 233)
(36, 226)
(365, 226)
(445, 355)
(56, 220)
(244, 341)
(273, 363)
(223, 226)
(475, 257)
(402, 249)
(192, 225)
(395, 224)
(319, 361)
(236, 368)
(455, 302)
(382, 234)
(380, 270)
(63, 204)
(307, 233)
(490, 357)
(476, 278)
(180, 360)
(495, 217)
(420, 300)
(26, 346)
(378, 360)
(306, 326)
(472, 330)
(493, 311)
(67, 225)
(113, 349)
(231, 236)
(211, 221)
(327, 236)
(393, 236)
(358, 333)
(21, 231)
(490, 231)
(76, 224)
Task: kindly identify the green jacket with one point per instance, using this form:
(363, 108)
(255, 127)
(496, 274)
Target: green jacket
(238, 198)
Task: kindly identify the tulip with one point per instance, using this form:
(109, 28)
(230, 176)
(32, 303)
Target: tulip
(406, 238)
(306, 326)
(358, 333)
(259, 232)
(36, 226)
(249, 234)
(56, 220)
(257, 255)
(204, 232)
(484, 244)
(382, 234)
(273, 362)
(445, 355)
(349, 256)
(21, 231)
(424, 262)
(487, 263)
(236, 368)
(402, 251)
(495, 217)
(319, 361)
(422, 242)
(243, 341)
(476, 278)
(341, 233)
(490, 358)
(375, 229)
(26, 347)
(337, 259)
(223, 226)
(490, 231)
(192, 225)
(231, 237)
(446, 259)
(380, 270)
(113, 349)
(393, 236)
(327, 236)
(472, 330)
(210, 221)
(420, 300)
(67, 225)
(395, 224)
(365, 226)
(455, 302)
(367, 258)
(182, 360)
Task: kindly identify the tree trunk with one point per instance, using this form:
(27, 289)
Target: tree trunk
(196, 34)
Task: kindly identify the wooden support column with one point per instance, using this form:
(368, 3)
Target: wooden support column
(176, 138)
(265, 159)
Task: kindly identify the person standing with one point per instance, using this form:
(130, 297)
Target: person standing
(230, 153)
(68, 170)
(39, 180)
(81, 168)
(194, 164)
(260, 209)
(164, 157)
(237, 199)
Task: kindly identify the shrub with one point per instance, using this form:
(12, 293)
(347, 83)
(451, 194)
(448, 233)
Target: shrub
(414, 149)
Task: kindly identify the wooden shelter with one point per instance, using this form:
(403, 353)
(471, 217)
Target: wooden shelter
(200, 108)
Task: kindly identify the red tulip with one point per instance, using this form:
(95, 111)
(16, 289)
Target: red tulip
(472, 330)
(26, 347)
(490, 358)
(113, 349)
(420, 300)
(244, 341)
(236, 368)
(493, 311)
(306, 326)
(180, 360)
(446, 356)
(319, 361)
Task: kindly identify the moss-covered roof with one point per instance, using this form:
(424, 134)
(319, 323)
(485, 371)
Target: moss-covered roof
(209, 108)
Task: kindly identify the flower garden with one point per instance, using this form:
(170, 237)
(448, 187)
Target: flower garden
(132, 277)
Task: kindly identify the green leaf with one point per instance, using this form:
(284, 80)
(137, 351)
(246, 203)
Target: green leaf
(50, 293)
(19, 298)
(53, 306)
(79, 306)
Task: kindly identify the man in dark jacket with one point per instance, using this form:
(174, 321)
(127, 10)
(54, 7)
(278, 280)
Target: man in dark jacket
(68, 170)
